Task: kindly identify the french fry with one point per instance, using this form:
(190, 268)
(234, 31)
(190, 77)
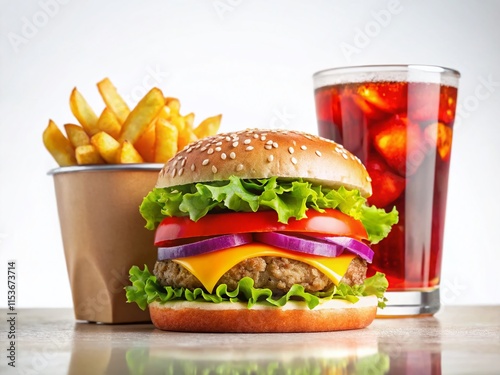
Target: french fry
(189, 119)
(128, 154)
(208, 126)
(76, 135)
(113, 100)
(178, 121)
(58, 145)
(164, 113)
(186, 137)
(145, 145)
(88, 154)
(142, 115)
(153, 131)
(107, 146)
(166, 141)
(174, 105)
(109, 123)
(83, 112)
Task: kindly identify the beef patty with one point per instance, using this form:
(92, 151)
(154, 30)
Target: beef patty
(275, 273)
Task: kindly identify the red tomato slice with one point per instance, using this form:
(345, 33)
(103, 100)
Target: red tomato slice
(332, 222)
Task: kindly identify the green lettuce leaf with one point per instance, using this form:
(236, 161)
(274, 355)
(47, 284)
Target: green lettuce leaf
(145, 289)
(290, 199)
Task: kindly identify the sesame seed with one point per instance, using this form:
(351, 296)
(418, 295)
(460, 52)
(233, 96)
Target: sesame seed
(303, 147)
(247, 141)
(181, 171)
(214, 169)
(193, 167)
(232, 155)
(275, 144)
(203, 149)
(205, 162)
(256, 136)
(218, 149)
(183, 162)
(210, 151)
(294, 161)
(228, 138)
(223, 156)
(368, 178)
(173, 172)
(189, 149)
(175, 163)
(263, 138)
(291, 150)
(345, 156)
(249, 148)
(270, 158)
(268, 147)
(270, 142)
(218, 143)
(235, 144)
(294, 143)
(239, 167)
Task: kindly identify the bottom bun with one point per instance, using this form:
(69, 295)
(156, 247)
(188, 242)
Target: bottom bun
(333, 315)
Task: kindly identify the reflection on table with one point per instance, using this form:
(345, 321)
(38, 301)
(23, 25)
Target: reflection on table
(462, 340)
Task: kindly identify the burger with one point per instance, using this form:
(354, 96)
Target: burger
(262, 231)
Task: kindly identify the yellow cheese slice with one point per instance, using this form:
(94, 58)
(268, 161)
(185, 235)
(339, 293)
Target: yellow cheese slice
(209, 267)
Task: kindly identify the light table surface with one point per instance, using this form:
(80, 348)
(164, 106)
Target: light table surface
(457, 340)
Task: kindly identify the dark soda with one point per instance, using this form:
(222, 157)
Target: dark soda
(402, 132)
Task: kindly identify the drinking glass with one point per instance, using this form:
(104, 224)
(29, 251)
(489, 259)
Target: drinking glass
(398, 119)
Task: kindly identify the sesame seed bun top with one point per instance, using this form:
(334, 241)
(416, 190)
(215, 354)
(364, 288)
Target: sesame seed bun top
(261, 153)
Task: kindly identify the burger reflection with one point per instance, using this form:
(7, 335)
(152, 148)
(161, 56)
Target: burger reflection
(158, 352)
(157, 361)
(384, 348)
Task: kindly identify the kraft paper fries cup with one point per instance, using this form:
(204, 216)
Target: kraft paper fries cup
(103, 236)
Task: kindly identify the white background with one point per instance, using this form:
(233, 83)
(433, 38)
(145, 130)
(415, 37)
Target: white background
(251, 61)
